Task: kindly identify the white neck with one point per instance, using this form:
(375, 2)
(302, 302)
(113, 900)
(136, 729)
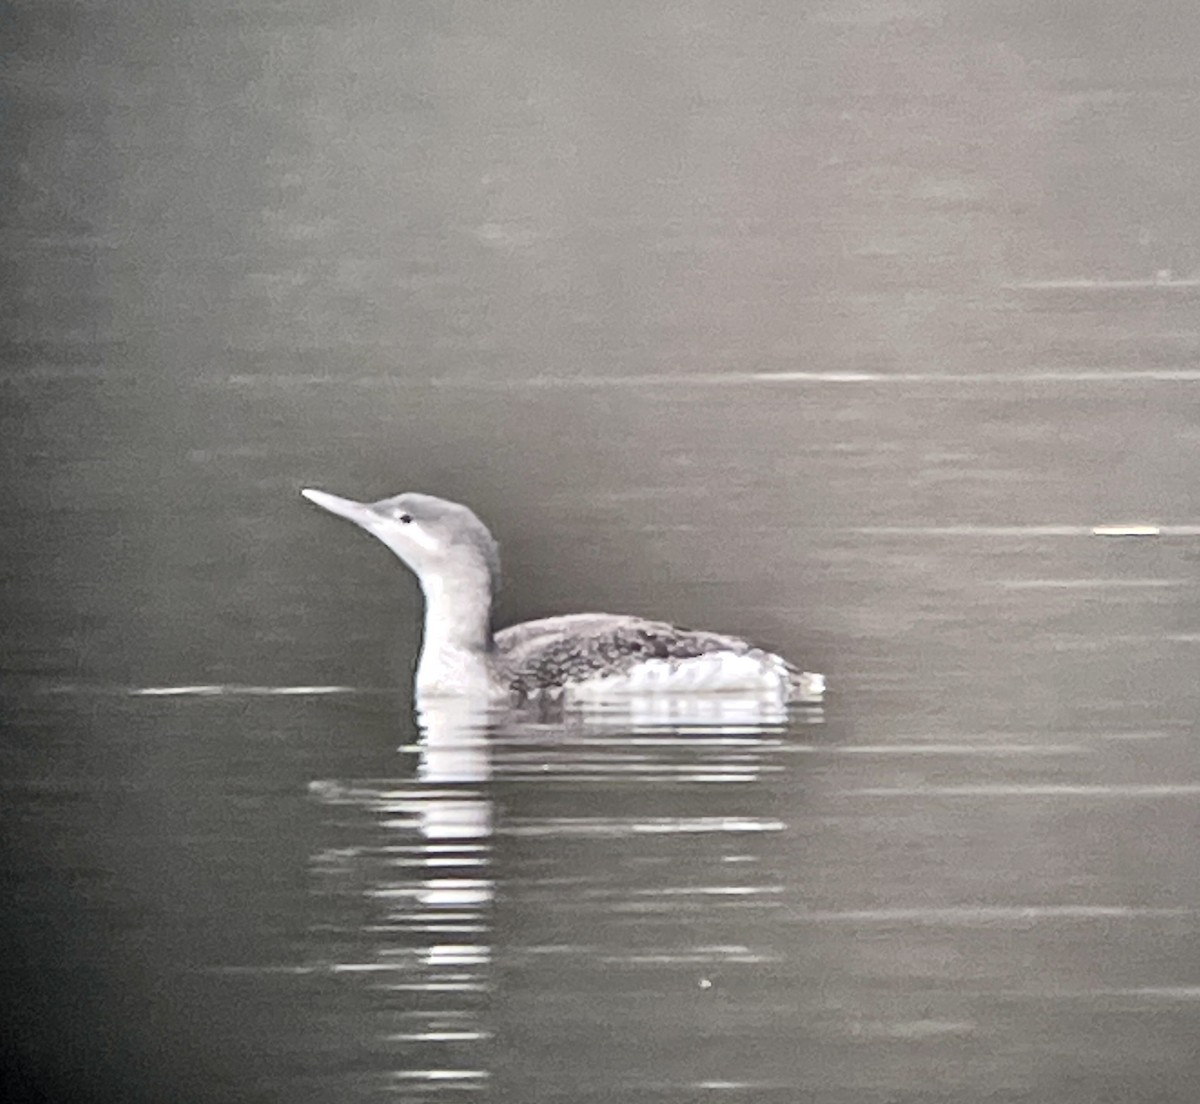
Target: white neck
(456, 649)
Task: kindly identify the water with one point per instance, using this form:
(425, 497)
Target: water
(840, 326)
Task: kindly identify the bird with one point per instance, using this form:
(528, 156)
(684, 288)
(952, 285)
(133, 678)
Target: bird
(575, 658)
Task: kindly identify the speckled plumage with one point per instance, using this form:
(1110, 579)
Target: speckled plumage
(588, 655)
(540, 656)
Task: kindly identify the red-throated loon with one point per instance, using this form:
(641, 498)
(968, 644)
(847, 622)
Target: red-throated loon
(583, 657)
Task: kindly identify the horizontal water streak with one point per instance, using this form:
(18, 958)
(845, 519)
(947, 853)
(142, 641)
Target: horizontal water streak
(677, 739)
(1022, 738)
(685, 959)
(734, 378)
(944, 749)
(441, 1075)
(1089, 584)
(439, 1037)
(438, 987)
(1033, 789)
(1085, 283)
(968, 914)
(602, 826)
(1083, 643)
(635, 772)
(696, 891)
(1042, 530)
(234, 690)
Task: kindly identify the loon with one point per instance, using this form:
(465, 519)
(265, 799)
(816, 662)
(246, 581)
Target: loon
(583, 657)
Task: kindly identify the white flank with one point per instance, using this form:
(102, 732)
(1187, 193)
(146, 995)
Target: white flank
(714, 673)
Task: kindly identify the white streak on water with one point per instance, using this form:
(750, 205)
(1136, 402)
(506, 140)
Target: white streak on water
(705, 891)
(1089, 584)
(440, 1075)
(1126, 530)
(440, 1037)
(1153, 789)
(733, 378)
(944, 749)
(1185, 530)
(367, 967)
(739, 378)
(686, 959)
(1085, 283)
(233, 690)
(1018, 737)
(601, 826)
(1148, 735)
(438, 987)
(974, 914)
(1181, 993)
(1091, 644)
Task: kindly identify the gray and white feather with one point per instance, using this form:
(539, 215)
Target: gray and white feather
(587, 657)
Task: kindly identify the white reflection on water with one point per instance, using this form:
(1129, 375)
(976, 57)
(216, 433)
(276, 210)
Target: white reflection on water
(411, 887)
(412, 900)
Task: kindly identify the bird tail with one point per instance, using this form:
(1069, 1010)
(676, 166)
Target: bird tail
(807, 687)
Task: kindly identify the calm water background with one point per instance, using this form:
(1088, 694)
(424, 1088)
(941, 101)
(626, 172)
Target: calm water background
(835, 324)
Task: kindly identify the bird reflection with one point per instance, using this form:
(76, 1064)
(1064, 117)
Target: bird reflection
(453, 751)
(413, 898)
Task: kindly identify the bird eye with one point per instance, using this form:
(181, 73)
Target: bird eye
(404, 519)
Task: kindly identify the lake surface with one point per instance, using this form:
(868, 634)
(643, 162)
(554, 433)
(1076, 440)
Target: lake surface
(841, 326)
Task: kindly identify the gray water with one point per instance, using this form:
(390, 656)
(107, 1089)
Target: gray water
(839, 325)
